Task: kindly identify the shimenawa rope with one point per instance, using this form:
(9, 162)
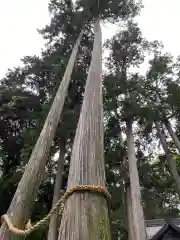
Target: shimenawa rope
(60, 204)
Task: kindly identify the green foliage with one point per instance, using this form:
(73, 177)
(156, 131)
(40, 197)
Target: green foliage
(106, 9)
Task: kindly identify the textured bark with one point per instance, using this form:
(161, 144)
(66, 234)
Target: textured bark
(128, 201)
(53, 226)
(85, 215)
(171, 161)
(172, 134)
(137, 211)
(21, 204)
(131, 233)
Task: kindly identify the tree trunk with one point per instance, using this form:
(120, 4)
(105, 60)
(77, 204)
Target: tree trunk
(131, 233)
(85, 215)
(171, 161)
(53, 226)
(21, 204)
(137, 211)
(128, 201)
(172, 134)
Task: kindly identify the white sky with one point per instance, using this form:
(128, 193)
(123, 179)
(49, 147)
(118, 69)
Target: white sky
(19, 20)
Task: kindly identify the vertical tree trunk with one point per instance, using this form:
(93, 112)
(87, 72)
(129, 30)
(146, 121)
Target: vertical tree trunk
(128, 201)
(53, 226)
(137, 211)
(171, 161)
(131, 233)
(172, 134)
(21, 204)
(85, 215)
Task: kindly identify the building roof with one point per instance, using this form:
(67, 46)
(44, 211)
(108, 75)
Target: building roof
(157, 227)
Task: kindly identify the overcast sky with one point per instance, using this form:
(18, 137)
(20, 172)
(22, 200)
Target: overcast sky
(19, 20)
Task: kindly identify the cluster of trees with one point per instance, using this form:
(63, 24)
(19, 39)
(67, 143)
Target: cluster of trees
(141, 119)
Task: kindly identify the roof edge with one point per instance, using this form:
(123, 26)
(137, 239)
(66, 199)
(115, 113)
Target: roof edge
(164, 228)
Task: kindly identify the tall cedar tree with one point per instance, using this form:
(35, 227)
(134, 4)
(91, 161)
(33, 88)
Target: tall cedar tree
(85, 215)
(21, 204)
